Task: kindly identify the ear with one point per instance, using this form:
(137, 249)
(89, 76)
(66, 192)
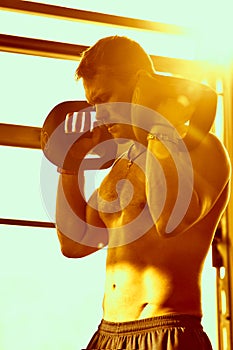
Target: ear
(199, 101)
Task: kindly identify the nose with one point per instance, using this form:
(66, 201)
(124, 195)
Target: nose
(102, 113)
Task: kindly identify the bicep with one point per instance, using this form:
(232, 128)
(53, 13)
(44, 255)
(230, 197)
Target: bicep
(93, 238)
(209, 185)
(181, 193)
(213, 173)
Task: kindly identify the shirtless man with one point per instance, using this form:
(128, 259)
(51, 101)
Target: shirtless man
(152, 296)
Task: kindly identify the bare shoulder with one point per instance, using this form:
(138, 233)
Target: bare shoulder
(211, 154)
(212, 168)
(212, 141)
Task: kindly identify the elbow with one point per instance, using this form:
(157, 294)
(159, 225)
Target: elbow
(70, 254)
(75, 250)
(66, 251)
(69, 248)
(210, 100)
(66, 254)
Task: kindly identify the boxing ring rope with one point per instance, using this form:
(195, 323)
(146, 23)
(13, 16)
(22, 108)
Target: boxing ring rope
(20, 136)
(31, 223)
(60, 12)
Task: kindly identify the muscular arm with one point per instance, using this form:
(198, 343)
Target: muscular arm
(182, 187)
(170, 188)
(79, 228)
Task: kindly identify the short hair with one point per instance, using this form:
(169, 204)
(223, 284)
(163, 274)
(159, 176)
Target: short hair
(117, 55)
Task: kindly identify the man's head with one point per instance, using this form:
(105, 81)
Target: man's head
(115, 56)
(109, 70)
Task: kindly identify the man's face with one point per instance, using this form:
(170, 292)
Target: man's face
(103, 92)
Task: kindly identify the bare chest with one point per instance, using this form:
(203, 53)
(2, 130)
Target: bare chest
(122, 192)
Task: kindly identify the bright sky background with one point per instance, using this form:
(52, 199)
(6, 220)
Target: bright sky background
(47, 301)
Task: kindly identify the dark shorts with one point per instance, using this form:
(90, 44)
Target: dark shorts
(172, 332)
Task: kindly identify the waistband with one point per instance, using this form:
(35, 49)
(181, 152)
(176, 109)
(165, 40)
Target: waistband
(147, 324)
